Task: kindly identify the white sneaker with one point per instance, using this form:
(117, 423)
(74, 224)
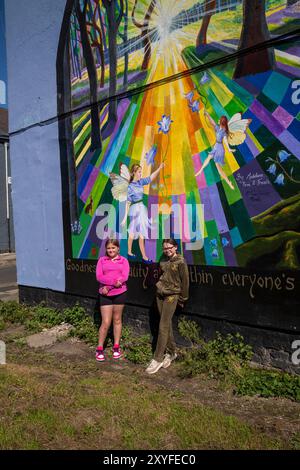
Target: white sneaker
(154, 366)
(168, 359)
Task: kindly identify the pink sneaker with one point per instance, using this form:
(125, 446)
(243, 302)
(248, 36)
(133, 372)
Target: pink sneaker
(117, 353)
(100, 355)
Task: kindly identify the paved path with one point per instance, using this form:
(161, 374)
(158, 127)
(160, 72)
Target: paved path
(8, 277)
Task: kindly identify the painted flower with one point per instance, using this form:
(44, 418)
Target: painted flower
(195, 106)
(214, 242)
(283, 155)
(272, 169)
(215, 253)
(189, 96)
(225, 241)
(151, 155)
(205, 78)
(280, 179)
(164, 124)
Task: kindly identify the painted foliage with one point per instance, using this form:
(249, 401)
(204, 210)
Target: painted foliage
(217, 148)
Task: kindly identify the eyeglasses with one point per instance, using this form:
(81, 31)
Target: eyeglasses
(167, 248)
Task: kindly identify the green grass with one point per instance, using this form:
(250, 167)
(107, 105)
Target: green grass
(53, 408)
(49, 402)
(224, 358)
(227, 358)
(267, 383)
(295, 441)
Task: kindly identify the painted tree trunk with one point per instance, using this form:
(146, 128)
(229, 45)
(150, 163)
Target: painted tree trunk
(113, 25)
(210, 5)
(254, 31)
(64, 107)
(96, 141)
(126, 57)
(145, 36)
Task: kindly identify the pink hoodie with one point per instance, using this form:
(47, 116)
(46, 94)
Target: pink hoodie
(108, 272)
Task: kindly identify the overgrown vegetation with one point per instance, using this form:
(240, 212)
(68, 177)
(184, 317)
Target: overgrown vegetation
(39, 317)
(227, 358)
(137, 347)
(267, 383)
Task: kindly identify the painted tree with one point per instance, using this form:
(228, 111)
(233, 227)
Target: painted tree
(102, 26)
(96, 140)
(254, 31)
(75, 47)
(209, 8)
(145, 31)
(64, 108)
(96, 37)
(124, 36)
(113, 22)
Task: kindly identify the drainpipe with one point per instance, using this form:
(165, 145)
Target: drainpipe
(7, 182)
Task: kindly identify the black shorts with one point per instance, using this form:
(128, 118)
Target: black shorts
(119, 299)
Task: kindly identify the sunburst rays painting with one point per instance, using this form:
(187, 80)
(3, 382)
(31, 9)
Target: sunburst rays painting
(180, 118)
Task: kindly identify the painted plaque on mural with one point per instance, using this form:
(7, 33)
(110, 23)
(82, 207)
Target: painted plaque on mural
(164, 134)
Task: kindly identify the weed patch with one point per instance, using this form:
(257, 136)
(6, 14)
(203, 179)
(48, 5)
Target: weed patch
(268, 384)
(137, 348)
(227, 358)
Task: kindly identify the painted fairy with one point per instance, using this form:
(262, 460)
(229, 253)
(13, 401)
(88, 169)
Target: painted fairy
(129, 187)
(227, 133)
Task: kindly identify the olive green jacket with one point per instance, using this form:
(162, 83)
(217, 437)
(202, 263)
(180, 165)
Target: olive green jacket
(174, 278)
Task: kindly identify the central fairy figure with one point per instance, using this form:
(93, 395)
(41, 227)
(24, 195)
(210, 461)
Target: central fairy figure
(129, 187)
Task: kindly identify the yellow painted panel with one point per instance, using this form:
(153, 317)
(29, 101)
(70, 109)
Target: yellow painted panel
(83, 152)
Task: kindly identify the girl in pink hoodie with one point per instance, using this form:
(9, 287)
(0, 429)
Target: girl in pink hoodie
(112, 272)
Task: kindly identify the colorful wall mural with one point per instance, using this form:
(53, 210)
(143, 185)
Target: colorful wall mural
(202, 95)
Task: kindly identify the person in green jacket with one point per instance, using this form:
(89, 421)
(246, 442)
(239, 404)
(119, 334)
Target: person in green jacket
(172, 290)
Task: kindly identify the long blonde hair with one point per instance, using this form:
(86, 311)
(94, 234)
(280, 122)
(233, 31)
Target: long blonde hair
(133, 170)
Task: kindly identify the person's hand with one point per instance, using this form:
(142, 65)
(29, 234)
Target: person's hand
(162, 165)
(232, 150)
(118, 284)
(104, 290)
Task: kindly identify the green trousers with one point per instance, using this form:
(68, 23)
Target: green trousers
(166, 308)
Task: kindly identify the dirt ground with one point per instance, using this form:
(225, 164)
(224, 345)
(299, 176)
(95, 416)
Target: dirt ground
(276, 417)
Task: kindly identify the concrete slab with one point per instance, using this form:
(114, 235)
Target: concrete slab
(48, 337)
